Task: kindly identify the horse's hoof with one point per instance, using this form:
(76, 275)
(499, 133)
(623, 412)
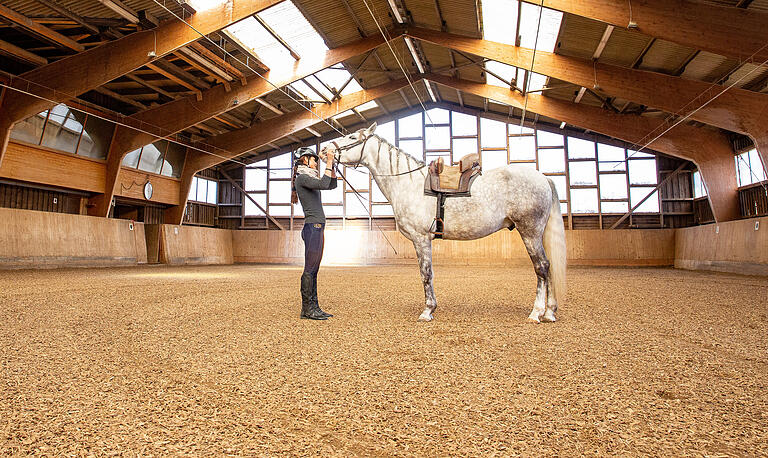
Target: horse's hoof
(549, 318)
(534, 320)
(425, 317)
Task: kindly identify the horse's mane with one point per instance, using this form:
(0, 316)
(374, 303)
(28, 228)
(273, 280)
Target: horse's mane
(399, 151)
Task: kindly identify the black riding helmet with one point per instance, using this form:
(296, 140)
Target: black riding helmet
(304, 151)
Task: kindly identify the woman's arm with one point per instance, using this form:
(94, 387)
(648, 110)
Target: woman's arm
(325, 182)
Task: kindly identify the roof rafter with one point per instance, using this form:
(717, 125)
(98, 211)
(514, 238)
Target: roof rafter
(183, 113)
(703, 26)
(68, 78)
(739, 110)
(241, 141)
(40, 31)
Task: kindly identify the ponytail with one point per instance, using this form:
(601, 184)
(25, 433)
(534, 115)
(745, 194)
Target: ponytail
(294, 195)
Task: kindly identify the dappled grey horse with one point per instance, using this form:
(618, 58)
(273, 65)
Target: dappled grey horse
(501, 198)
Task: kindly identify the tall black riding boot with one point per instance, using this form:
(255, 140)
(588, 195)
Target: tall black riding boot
(314, 300)
(308, 310)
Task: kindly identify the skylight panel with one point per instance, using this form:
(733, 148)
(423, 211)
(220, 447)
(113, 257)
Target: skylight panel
(548, 30)
(344, 114)
(202, 5)
(336, 79)
(264, 45)
(505, 71)
(302, 88)
(318, 86)
(536, 82)
(368, 106)
(288, 22)
(499, 20)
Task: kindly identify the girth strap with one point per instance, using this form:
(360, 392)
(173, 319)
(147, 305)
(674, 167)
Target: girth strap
(440, 215)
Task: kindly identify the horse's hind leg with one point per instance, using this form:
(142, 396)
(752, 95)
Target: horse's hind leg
(423, 247)
(549, 315)
(535, 246)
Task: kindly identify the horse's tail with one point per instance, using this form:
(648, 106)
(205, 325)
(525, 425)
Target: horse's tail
(554, 246)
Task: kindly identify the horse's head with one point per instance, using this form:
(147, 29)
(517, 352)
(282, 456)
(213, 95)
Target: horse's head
(349, 148)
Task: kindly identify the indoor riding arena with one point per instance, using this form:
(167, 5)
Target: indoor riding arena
(543, 227)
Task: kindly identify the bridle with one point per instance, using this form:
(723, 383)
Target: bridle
(363, 142)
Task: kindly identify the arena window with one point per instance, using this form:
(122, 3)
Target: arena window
(698, 186)
(749, 168)
(161, 157)
(591, 178)
(203, 191)
(68, 130)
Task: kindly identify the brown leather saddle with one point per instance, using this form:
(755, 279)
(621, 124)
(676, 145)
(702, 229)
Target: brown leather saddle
(445, 181)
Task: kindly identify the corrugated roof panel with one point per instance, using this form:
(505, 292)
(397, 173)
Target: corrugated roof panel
(707, 67)
(333, 24)
(579, 36)
(88, 8)
(438, 57)
(461, 17)
(746, 75)
(424, 13)
(665, 57)
(624, 47)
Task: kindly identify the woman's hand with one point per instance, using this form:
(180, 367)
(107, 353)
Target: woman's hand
(329, 169)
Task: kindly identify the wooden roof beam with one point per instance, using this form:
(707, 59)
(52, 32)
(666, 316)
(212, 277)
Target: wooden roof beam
(68, 78)
(121, 98)
(52, 5)
(738, 110)
(118, 7)
(238, 142)
(149, 85)
(245, 50)
(710, 150)
(22, 55)
(728, 31)
(175, 78)
(188, 111)
(197, 61)
(40, 31)
(219, 61)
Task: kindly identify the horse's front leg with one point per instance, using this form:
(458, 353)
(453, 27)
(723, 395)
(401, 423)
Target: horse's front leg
(423, 247)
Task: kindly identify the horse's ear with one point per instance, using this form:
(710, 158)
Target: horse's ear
(370, 129)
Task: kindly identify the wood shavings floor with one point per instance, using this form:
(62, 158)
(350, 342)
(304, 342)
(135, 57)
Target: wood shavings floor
(214, 360)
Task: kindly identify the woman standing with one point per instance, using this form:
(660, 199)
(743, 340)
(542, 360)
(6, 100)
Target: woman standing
(306, 185)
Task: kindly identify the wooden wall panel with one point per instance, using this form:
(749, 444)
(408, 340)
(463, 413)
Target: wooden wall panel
(39, 165)
(36, 164)
(27, 198)
(753, 200)
(30, 239)
(734, 246)
(198, 214)
(616, 247)
(130, 184)
(703, 211)
(195, 245)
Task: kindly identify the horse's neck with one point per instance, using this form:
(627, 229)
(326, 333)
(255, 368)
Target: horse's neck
(384, 161)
